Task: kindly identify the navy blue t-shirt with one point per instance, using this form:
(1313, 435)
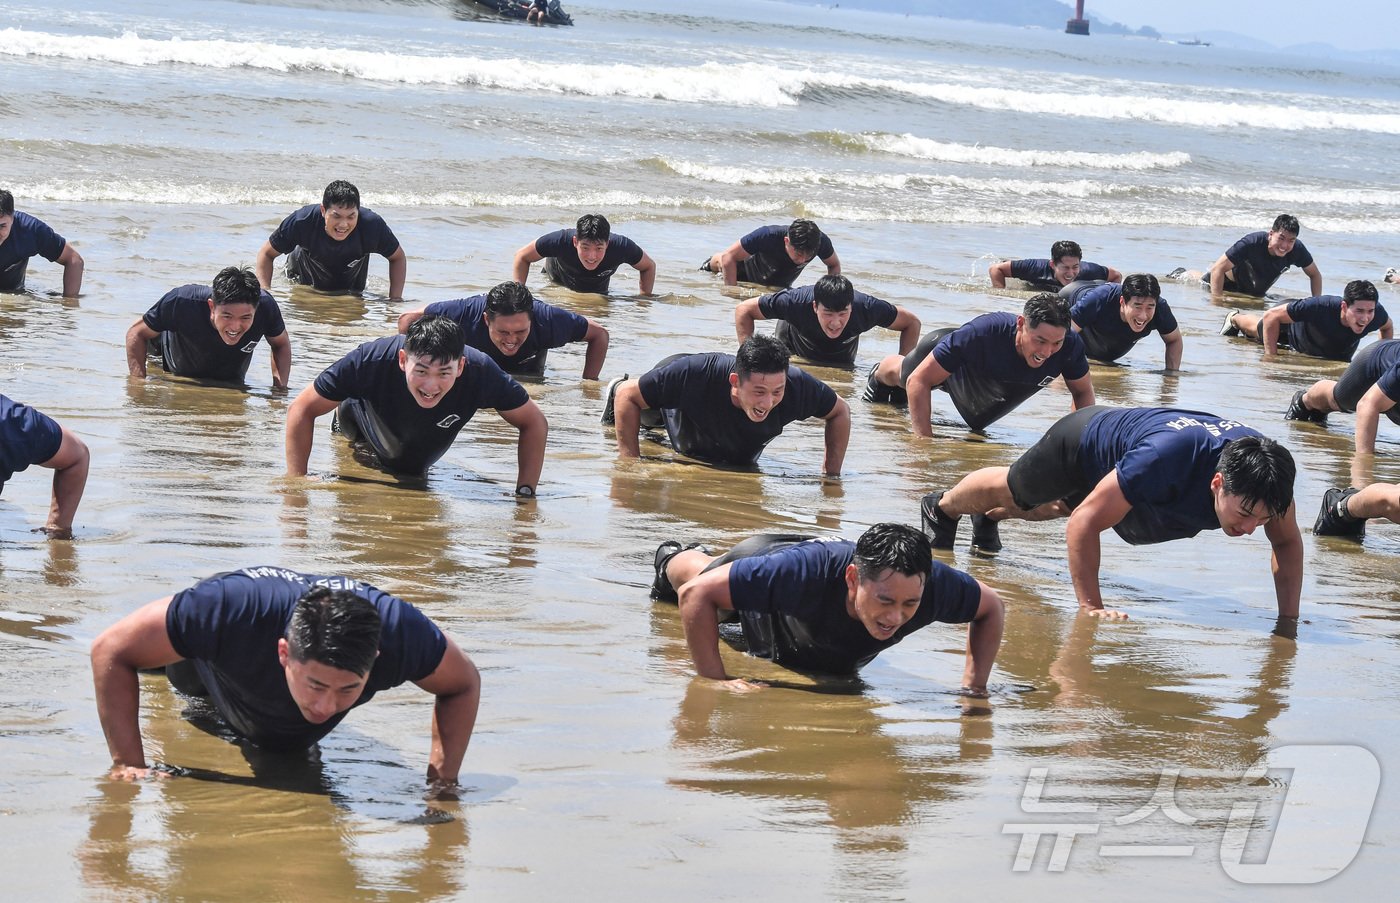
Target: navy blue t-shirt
(191, 346)
(989, 378)
(563, 266)
(26, 437)
(306, 229)
(693, 395)
(801, 331)
(550, 327)
(1255, 269)
(1317, 328)
(792, 606)
(1165, 458)
(28, 237)
(770, 263)
(406, 436)
(1040, 272)
(228, 626)
(1106, 337)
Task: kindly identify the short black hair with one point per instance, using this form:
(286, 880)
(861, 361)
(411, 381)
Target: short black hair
(892, 547)
(1046, 307)
(805, 236)
(1065, 248)
(7, 203)
(337, 628)
(1359, 290)
(438, 339)
(1286, 222)
(1141, 285)
(761, 354)
(834, 292)
(1259, 471)
(508, 298)
(237, 285)
(592, 227)
(341, 193)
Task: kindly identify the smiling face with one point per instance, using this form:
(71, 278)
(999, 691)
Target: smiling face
(758, 393)
(833, 322)
(590, 252)
(1236, 517)
(884, 604)
(1137, 312)
(320, 691)
(1036, 345)
(1066, 269)
(1357, 315)
(231, 321)
(340, 221)
(429, 380)
(1280, 242)
(508, 331)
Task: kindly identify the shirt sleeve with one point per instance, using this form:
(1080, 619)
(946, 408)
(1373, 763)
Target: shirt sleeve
(381, 239)
(285, 237)
(1165, 320)
(878, 312)
(1076, 361)
(497, 389)
(340, 380)
(816, 398)
(269, 308)
(49, 242)
(628, 251)
(664, 387)
(553, 244)
(826, 248)
(193, 617)
(161, 316)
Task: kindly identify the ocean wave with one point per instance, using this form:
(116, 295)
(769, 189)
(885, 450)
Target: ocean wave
(907, 145)
(737, 84)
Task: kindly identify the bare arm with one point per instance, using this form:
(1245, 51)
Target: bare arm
(596, 339)
(70, 466)
(139, 640)
(281, 348)
(1388, 330)
(457, 685)
(646, 274)
(909, 329)
(1217, 276)
(409, 317)
(1270, 325)
(534, 431)
(136, 338)
(263, 264)
(998, 273)
(729, 262)
(1368, 414)
(701, 600)
(983, 641)
(1314, 279)
(301, 423)
(1081, 391)
(72, 263)
(833, 264)
(628, 405)
(926, 377)
(520, 267)
(838, 435)
(398, 273)
(1104, 507)
(1174, 344)
(1113, 275)
(1287, 561)
(744, 316)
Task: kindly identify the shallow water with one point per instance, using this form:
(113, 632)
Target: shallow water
(599, 767)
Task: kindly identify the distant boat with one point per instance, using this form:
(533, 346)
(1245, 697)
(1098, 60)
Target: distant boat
(1194, 42)
(519, 9)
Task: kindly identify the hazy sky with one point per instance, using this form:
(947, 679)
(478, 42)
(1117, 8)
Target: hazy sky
(1362, 24)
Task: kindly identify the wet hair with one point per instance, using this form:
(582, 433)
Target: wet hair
(761, 354)
(1286, 222)
(1048, 308)
(1065, 248)
(507, 299)
(341, 193)
(892, 547)
(592, 227)
(7, 203)
(438, 339)
(834, 292)
(805, 236)
(336, 628)
(237, 285)
(1259, 471)
(1141, 285)
(1359, 290)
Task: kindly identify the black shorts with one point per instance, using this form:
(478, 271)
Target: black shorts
(1050, 471)
(922, 350)
(1361, 374)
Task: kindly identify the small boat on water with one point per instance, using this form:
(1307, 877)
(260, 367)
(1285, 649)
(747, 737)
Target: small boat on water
(1194, 42)
(519, 9)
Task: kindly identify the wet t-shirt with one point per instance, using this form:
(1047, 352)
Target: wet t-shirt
(550, 327)
(1317, 328)
(1040, 272)
(191, 346)
(1255, 269)
(801, 331)
(26, 437)
(989, 378)
(564, 267)
(228, 626)
(1106, 337)
(1165, 458)
(693, 394)
(792, 606)
(769, 263)
(30, 237)
(340, 260)
(408, 437)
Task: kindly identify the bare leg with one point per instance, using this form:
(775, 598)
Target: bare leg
(1318, 397)
(1376, 500)
(1247, 324)
(986, 492)
(686, 566)
(888, 370)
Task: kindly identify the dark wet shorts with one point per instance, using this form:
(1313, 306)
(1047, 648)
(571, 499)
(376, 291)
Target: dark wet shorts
(922, 350)
(1361, 374)
(1049, 471)
(760, 544)
(12, 277)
